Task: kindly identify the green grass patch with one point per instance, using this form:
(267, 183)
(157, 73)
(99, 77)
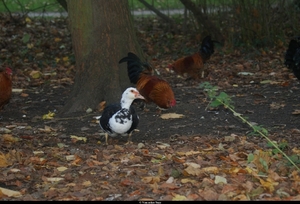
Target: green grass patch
(30, 5)
(53, 6)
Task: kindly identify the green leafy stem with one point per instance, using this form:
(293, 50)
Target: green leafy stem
(225, 100)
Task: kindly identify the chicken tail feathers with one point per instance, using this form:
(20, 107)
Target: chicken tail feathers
(292, 57)
(290, 54)
(134, 67)
(207, 47)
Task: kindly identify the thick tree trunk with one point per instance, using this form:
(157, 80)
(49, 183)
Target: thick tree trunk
(102, 33)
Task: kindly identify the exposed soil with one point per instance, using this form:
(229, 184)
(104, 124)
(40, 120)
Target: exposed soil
(270, 105)
(170, 159)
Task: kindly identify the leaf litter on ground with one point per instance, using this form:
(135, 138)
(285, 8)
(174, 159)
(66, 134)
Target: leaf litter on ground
(45, 164)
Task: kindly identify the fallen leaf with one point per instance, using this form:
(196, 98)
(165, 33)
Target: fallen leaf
(178, 197)
(266, 81)
(209, 194)
(9, 138)
(89, 110)
(220, 179)
(296, 112)
(61, 168)
(57, 39)
(245, 73)
(192, 152)
(14, 170)
(127, 182)
(38, 152)
(211, 170)
(134, 193)
(151, 179)
(192, 196)
(16, 90)
(86, 183)
(296, 151)
(171, 115)
(192, 164)
(78, 138)
(170, 180)
(10, 193)
(70, 157)
(276, 106)
(48, 116)
(190, 170)
(170, 186)
(187, 180)
(35, 74)
(54, 179)
(178, 159)
(24, 95)
(4, 161)
(240, 197)
(5, 130)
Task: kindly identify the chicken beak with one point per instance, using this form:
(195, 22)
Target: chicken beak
(137, 95)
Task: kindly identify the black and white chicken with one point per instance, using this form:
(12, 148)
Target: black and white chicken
(292, 57)
(121, 119)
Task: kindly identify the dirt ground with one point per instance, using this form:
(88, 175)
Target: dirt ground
(204, 155)
(272, 106)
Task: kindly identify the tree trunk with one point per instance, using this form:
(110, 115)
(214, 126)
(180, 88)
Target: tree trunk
(203, 20)
(102, 33)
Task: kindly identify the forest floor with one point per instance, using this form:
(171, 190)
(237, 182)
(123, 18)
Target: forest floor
(207, 154)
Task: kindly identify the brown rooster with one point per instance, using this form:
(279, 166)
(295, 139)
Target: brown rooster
(5, 86)
(193, 64)
(154, 89)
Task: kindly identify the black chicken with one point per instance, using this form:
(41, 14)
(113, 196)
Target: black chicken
(292, 57)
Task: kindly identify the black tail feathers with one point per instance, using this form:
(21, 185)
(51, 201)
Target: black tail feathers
(292, 56)
(134, 66)
(289, 60)
(207, 47)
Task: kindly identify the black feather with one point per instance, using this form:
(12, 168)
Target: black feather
(110, 110)
(207, 47)
(134, 66)
(292, 57)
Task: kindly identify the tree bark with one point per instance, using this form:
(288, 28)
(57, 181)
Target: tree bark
(102, 33)
(203, 20)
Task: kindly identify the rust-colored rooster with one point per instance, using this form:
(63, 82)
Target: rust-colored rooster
(153, 88)
(5, 86)
(193, 65)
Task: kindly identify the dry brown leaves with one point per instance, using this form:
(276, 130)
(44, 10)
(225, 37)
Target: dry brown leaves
(45, 164)
(181, 169)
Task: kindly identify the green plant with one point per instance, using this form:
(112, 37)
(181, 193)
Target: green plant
(225, 100)
(25, 6)
(282, 145)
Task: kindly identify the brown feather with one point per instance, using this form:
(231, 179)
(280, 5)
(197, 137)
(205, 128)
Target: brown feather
(156, 90)
(193, 65)
(5, 88)
(153, 88)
